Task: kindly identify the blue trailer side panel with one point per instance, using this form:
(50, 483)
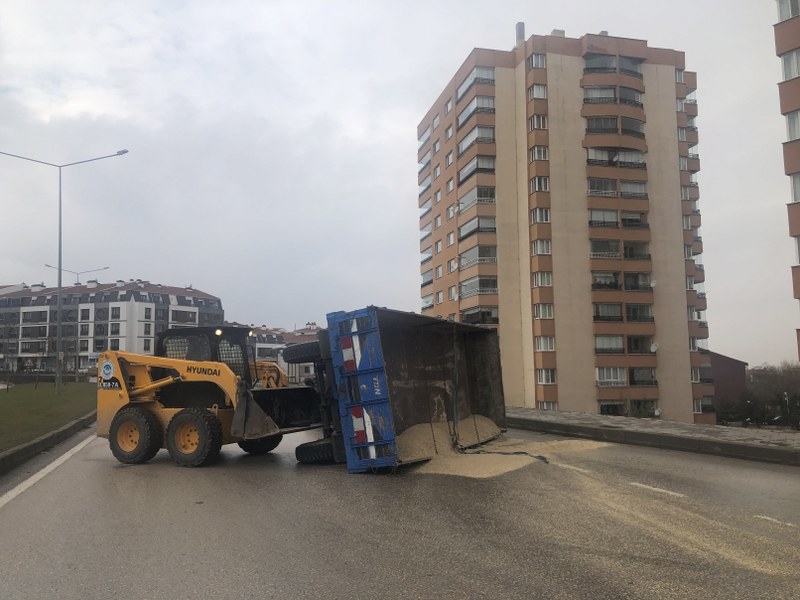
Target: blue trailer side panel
(361, 390)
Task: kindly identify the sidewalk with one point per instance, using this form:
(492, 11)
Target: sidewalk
(749, 443)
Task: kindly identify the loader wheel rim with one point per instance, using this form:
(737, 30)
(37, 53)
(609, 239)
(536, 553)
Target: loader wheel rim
(187, 438)
(128, 436)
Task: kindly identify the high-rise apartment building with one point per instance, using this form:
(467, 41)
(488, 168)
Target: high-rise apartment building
(559, 202)
(787, 47)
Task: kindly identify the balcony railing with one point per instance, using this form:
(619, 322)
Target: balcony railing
(645, 382)
(631, 72)
(632, 132)
(637, 287)
(601, 130)
(637, 256)
(603, 224)
(703, 324)
(640, 319)
(479, 260)
(630, 102)
(603, 193)
(608, 319)
(606, 286)
(599, 70)
(610, 383)
(603, 100)
(476, 291)
(635, 225)
(633, 195)
(609, 255)
(609, 350)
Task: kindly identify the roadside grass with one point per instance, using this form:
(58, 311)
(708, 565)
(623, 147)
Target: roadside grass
(28, 413)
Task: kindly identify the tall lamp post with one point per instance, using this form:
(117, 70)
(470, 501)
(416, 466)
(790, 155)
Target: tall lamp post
(60, 267)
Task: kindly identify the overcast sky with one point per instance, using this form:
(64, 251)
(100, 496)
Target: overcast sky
(273, 146)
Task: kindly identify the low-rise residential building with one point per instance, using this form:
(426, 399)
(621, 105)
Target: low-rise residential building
(124, 315)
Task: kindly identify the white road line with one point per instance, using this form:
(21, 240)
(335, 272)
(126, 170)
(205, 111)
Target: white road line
(571, 468)
(13, 493)
(771, 520)
(659, 490)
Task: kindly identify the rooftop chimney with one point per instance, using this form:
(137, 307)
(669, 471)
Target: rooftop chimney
(604, 33)
(558, 33)
(520, 33)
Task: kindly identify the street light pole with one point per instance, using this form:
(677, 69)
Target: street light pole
(78, 273)
(58, 296)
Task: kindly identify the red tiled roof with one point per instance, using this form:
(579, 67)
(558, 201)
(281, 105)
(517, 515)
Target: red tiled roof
(143, 286)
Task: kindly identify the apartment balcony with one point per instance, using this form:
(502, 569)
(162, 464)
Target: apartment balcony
(477, 261)
(793, 210)
(694, 163)
(479, 291)
(611, 138)
(691, 108)
(796, 281)
(691, 137)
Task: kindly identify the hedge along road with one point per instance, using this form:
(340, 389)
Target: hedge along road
(595, 521)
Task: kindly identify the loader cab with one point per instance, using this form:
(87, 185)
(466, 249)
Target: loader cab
(219, 344)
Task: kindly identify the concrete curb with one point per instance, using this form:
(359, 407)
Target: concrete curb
(14, 457)
(666, 441)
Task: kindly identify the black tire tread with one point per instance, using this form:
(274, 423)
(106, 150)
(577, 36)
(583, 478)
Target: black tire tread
(211, 438)
(150, 432)
(302, 353)
(316, 452)
(261, 445)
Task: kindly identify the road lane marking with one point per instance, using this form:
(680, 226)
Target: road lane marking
(570, 467)
(771, 520)
(659, 490)
(13, 493)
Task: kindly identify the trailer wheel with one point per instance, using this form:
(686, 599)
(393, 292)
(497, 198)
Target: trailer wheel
(316, 452)
(302, 353)
(261, 445)
(135, 435)
(194, 437)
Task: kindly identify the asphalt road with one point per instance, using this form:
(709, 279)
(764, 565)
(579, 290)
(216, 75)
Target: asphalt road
(595, 521)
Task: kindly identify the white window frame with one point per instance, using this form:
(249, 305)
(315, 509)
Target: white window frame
(542, 279)
(543, 311)
(546, 376)
(540, 183)
(451, 238)
(537, 122)
(541, 247)
(452, 292)
(537, 61)
(538, 153)
(538, 91)
(545, 343)
(540, 215)
(793, 125)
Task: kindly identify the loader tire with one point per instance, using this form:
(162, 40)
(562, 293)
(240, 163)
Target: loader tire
(261, 445)
(316, 452)
(194, 437)
(306, 352)
(135, 435)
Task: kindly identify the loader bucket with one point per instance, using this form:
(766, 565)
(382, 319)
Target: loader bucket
(249, 420)
(409, 385)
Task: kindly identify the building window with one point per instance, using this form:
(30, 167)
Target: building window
(678, 75)
(425, 231)
(437, 196)
(114, 330)
(451, 238)
(601, 125)
(479, 134)
(148, 313)
(448, 106)
(484, 315)
(542, 311)
(683, 163)
(448, 133)
(600, 63)
(427, 301)
(478, 254)
(437, 171)
(448, 160)
(537, 61)
(538, 153)
(425, 208)
(437, 247)
(607, 311)
(547, 405)
(83, 345)
(537, 122)
(114, 344)
(602, 187)
(451, 211)
(795, 181)
(483, 164)
(435, 122)
(687, 252)
(85, 329)
(704, 405)
(476, 105)
(788, 9)
(791, 64)
(478, 285)
(479, 195)
(793, 125)
(147, 328)
(687, 222)
(689, 282)
(543, 279)
(452, 265)
(540, 247)
(680, 105)
(630, 96)
(450, 186)
(602, 218)
(610, 376)
(546, 376)
(424, 185)
(545, 343)
(439, 297)
(437, 221)
(599, 95)
(427, 278)
(147, 345)
(540, 215)
(477, 224)
(537, 91)
(681, 134)
(84, 314)
(540, 183)
(438, 271)
(477, 75)
(426, 135)
(452, 294)
(609, 344)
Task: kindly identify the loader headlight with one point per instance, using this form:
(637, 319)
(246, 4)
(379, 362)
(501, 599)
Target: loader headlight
(218, 332)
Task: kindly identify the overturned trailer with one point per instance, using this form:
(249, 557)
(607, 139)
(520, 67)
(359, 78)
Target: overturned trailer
(397, 386)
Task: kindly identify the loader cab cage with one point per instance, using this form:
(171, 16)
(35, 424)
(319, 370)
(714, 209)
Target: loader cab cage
(219, 344)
